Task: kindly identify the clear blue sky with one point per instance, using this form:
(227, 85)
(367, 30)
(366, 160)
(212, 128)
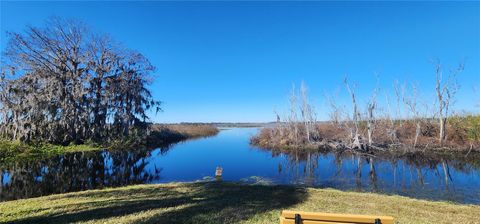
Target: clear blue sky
(236, 61)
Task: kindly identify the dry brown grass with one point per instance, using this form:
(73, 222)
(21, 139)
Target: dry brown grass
(463, 134)
(193, 130)
(171, 133)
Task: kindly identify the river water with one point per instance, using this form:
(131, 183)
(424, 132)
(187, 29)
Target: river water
(196, 160)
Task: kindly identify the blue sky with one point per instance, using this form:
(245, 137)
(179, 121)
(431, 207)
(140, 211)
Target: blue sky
(237, 61)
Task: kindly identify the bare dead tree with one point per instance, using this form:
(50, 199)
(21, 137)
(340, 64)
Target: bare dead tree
(391, 129)
(278, 131)
(335, 113)
(339, 117)
(307, 112)
(355, 117)
(445, 90)
(293, 117)
(399, 90)
(411, 102)
(372, 105)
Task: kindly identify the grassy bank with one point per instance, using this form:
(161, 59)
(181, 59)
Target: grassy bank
(11, 150)
(160, 135)
(221, 203)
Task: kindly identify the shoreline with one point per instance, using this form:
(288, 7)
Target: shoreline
(161, 135)
(427, 157)
(331, 138)
(338, 147)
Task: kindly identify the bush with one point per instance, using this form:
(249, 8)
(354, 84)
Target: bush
(473, 130)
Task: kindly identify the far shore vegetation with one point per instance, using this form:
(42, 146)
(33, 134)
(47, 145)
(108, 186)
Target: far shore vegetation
(162, 134)
(405, 122)
(159, 135)
(217, 202)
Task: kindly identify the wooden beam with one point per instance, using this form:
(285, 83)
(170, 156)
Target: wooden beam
(346, 218)
(291, 221)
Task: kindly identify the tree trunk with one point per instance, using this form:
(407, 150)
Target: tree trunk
(369, 130)
(417, 133)
(441, 136)
(370, 123)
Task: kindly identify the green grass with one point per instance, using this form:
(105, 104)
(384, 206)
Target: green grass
(14, 150)
(213, 202)
(160, 136)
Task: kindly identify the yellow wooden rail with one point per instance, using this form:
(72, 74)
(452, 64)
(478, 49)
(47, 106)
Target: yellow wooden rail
(288, 217)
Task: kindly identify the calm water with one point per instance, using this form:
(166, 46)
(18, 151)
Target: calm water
(436, 179)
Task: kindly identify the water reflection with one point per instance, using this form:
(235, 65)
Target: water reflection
(75, 172)
(455, 178)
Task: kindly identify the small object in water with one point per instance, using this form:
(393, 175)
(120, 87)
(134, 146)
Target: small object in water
(218, 171)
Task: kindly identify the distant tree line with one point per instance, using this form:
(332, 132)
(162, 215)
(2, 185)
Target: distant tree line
(63, 83)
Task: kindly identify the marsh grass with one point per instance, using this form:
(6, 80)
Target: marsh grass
(463, 135)
(185, 131)
(12, 150)
(213, 202)
(160, 135)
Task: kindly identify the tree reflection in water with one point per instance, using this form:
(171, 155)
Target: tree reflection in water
(410, 174)
(452, 177)
(76, 172)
